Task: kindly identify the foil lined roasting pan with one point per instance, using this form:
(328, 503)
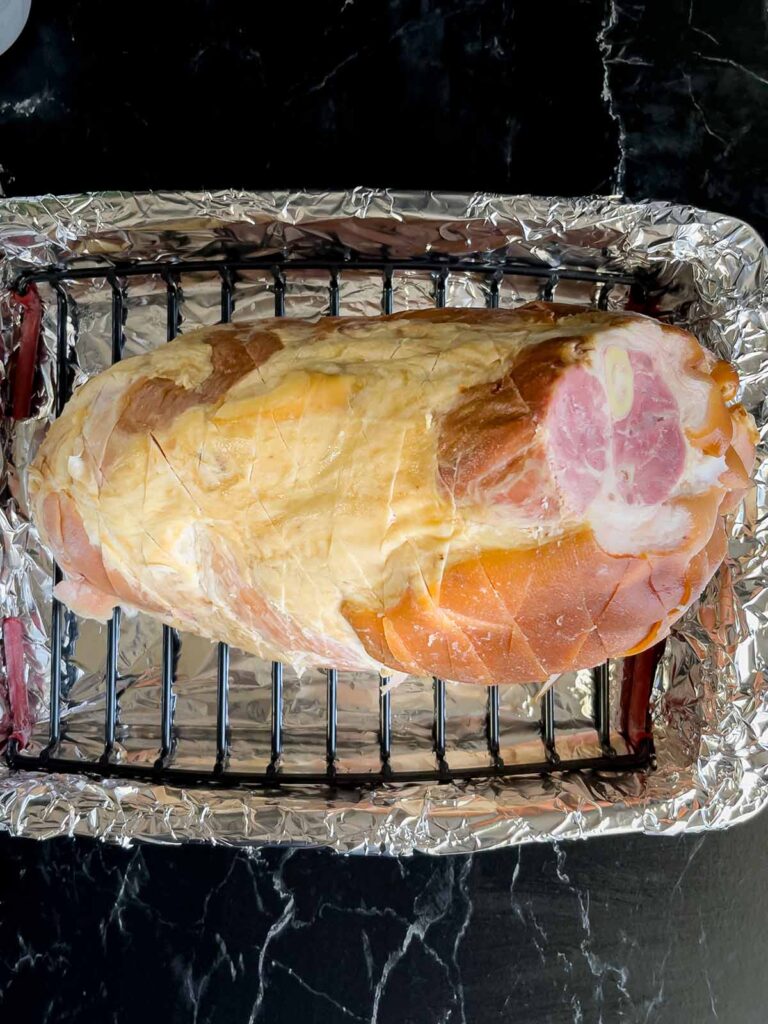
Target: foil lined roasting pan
(710, 701)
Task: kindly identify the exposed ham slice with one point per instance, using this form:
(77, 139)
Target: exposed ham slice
(648, 443)
(579, 432)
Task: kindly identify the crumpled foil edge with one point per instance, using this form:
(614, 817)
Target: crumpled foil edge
(711, 702)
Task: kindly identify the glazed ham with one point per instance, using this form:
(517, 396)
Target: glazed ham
(484, 495)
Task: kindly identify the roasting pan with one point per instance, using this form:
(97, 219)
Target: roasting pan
(132, 731)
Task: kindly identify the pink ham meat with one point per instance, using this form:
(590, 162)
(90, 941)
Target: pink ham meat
(644, 450)
(648, 444)
(579, 431)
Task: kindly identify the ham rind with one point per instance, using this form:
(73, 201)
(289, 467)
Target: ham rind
(490, 496)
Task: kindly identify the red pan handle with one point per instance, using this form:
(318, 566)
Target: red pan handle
(23, 379)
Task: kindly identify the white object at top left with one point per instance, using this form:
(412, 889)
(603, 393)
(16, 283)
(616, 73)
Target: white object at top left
(13, 18)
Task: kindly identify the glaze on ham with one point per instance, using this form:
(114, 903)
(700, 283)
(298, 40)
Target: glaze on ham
(483, 495)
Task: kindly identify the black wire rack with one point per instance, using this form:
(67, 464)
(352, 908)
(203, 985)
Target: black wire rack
(164, 770)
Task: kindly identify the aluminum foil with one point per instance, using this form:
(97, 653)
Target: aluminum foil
(710, 702)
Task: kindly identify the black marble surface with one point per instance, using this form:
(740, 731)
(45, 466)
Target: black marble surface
(663, 100)
(621, 929)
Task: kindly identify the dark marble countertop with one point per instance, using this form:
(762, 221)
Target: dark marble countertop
(658, 100)
(622, 929)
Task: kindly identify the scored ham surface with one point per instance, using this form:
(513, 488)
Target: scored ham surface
(482, 495)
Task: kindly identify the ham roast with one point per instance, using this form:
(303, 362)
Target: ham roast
(484, 495)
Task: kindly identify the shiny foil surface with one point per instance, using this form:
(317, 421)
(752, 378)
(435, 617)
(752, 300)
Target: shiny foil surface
(710, 700)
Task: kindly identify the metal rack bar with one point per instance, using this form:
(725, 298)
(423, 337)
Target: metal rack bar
(167, 697)
(548, 724)
(438, 685)
(113, 627)
(333, 294)
(547, 290)
(280, 292)
(385, 694)
(172, 305)
(222, 706)
(385, 720)
(57, 629)
(63, 384)
(493, 291)
(387, 292)
(277, 716)
(276, 727)
(118, 319)
(493, 730)
(441, 278)
(438, 725)
(443, 264)
(110, 712)
(637, 760)
(332, 688)
(227, 295)
(601, 674)
(601, 682)
(58, 612)
(163, 770)
(222, 658)
(171, 641)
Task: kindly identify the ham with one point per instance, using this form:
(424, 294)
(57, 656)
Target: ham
(484, 495)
